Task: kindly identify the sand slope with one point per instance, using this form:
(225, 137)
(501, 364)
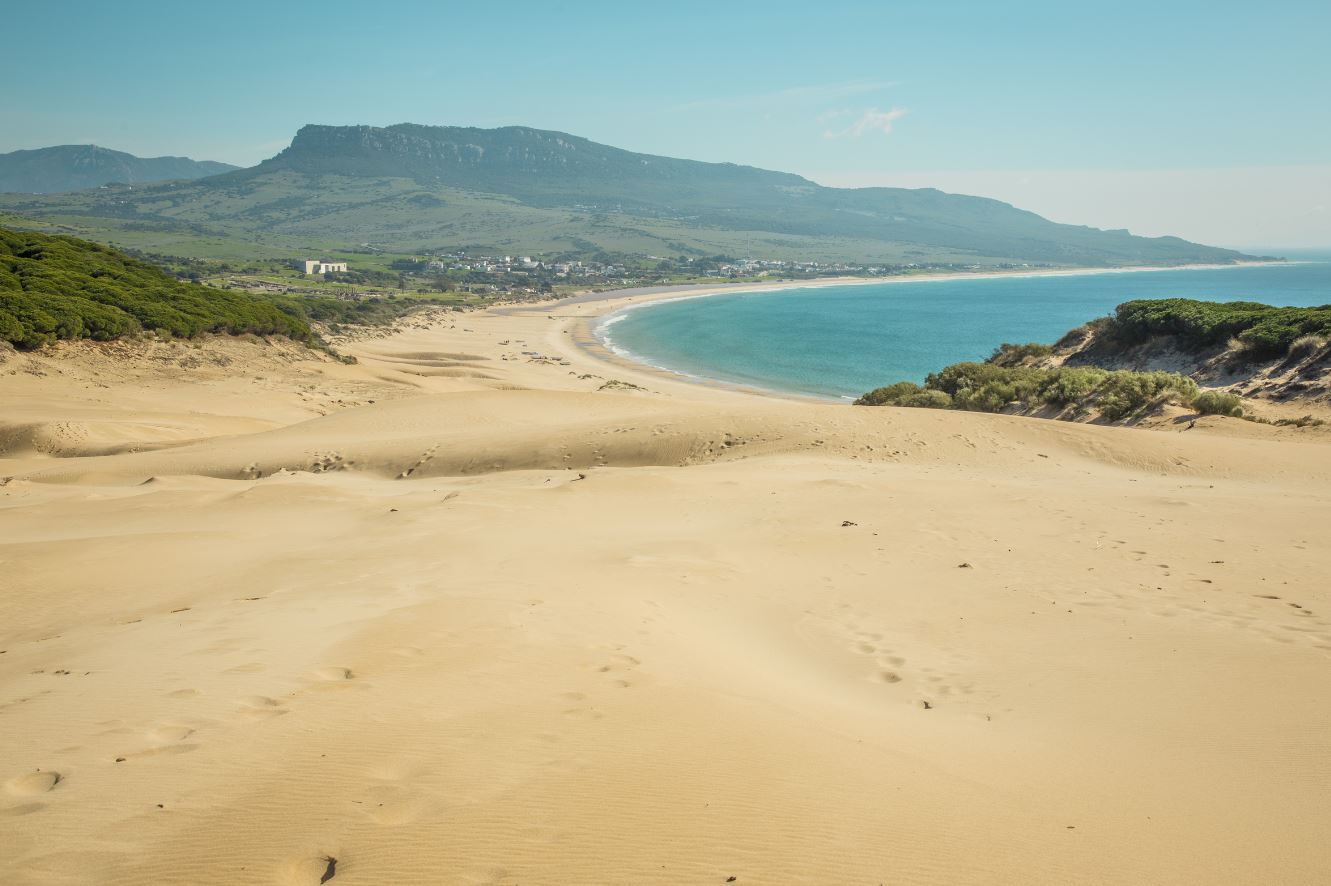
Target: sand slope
(502, 626)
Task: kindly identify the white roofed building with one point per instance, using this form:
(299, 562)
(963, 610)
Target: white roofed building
(318, 266)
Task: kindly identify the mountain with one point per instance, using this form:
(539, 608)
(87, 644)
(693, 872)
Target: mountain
(410, 188)
(75, 167)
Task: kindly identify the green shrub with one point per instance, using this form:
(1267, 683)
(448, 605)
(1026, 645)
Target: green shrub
(1125, 393)
(929, 400)
(1008, 354)
(1071, 385)
(1218, 403)
(892, 395)
(905, 393)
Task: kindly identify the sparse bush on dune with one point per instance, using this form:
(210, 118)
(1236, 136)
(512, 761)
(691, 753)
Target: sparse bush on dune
(891, 395)
(931, 400)
(1008, 354)
(1306, 345)
(1218, 403)
(984, 387)
(1304, 421)
(1073, 384)
(905, 393)
(1124, 394)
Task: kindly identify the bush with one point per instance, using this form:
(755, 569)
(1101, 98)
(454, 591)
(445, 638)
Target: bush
(1072, 385)
(1218, 403)
(1008, 354)
(1306, 346)
(1125, 393)
(892, 395)
(905, 393)
(930, 400)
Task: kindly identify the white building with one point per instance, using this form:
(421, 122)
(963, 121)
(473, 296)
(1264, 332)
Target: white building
(325, 267)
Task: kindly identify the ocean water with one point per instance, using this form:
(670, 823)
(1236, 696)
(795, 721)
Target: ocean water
(841, 341)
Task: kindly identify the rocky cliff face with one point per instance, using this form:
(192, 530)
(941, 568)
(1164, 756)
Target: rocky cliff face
(446, 153)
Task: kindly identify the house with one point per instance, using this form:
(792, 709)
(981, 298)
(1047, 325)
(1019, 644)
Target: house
(325, 267)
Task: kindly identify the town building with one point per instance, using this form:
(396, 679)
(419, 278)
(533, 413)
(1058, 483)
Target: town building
(317, 266)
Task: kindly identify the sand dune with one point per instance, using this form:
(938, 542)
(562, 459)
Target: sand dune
(269, 618)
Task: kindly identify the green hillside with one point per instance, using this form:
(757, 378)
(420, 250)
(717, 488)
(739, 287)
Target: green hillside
(75, 167)
(411, 189)
(62, 288)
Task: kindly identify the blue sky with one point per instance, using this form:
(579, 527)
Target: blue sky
(989, 94)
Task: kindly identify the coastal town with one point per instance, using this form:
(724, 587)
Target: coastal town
(474, 277)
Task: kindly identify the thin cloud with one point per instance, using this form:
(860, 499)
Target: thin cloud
(872, 120)
(793, 95)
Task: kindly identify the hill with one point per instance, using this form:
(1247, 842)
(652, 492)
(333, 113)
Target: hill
(62, 288)
(1214, 357)
(410, 188)
(75, 167)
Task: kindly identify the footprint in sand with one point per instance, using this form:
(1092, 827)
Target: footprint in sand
(168, 750)
(32, 783)
(23, 809)
(164, 735)
(311, 871)
(261, 707)
(335, 675)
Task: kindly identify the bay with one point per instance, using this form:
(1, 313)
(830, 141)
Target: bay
(840, 341)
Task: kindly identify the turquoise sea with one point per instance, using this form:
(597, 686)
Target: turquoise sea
(841, 341)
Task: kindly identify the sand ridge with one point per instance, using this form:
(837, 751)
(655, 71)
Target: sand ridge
(467, 612)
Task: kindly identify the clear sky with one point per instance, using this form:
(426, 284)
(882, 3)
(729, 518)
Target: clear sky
(1205, 119)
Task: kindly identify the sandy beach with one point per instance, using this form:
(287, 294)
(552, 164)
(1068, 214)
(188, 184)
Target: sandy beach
(490, 607)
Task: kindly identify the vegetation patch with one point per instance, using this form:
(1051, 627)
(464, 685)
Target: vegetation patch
(1218, 403)
(56, 287)
(1262, 330)
(985, 387)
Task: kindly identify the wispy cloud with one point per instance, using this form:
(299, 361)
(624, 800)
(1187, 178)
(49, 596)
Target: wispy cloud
(791, 96)
(869, 121)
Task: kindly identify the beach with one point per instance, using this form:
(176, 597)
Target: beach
(492, 606)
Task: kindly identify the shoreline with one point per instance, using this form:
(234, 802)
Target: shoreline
(583, 331)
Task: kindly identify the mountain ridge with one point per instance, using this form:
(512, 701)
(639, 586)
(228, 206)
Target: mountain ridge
(63, 168)
(416, 188)
(519, 162)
